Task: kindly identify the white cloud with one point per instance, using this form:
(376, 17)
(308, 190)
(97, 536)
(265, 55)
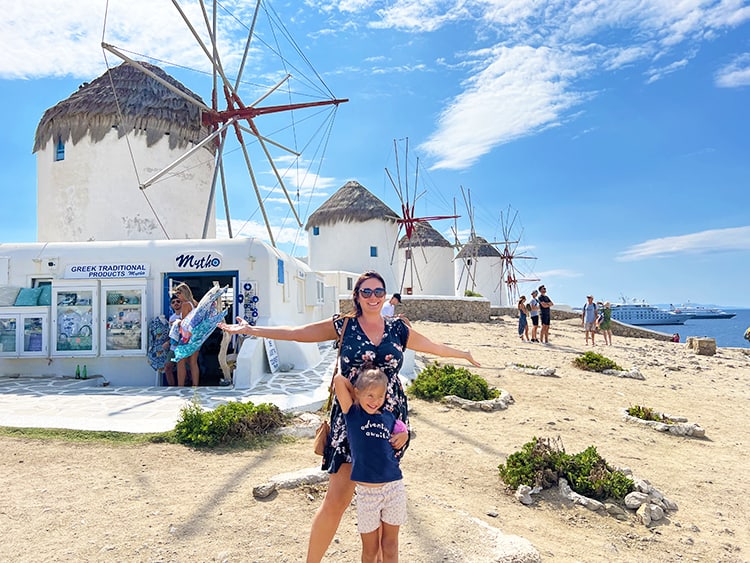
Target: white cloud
(419, 15)
(558, 273)
(655, 74)
(714, 240)
(735, 74)
(519, 91)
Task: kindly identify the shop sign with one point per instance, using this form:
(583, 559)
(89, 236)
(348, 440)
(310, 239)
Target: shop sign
(123, 270)
(198, 261)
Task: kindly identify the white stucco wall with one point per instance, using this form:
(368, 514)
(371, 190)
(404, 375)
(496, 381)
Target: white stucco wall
(346, 246)
(430, 265)
(94, 194)
(487, 273)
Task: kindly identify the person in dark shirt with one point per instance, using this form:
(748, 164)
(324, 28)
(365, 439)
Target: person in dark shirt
(545, 303)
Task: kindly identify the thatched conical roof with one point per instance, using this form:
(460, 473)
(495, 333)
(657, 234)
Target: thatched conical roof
(146, 105)
(351, 203)
(425, 235)
(478, 247)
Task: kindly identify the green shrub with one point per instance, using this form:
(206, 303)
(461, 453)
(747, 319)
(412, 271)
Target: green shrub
(470, 293)
(436, 381)
(591, 361)
(646, 413)
(541, 463)
(535, 465)
(589, 475)
(225, 424)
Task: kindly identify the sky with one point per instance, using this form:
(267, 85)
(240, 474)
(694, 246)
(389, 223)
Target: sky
(608, 137)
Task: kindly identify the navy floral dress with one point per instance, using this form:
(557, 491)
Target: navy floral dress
(356, 351)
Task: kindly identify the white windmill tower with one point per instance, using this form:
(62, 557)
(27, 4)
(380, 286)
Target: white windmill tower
(353, 231)
(136, 154)
(477, 265)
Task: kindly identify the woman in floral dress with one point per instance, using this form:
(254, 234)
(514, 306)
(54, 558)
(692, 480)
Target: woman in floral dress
(369, 340)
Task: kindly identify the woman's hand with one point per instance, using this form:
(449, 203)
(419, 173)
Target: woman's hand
(471, 359)
(239, 328)
(398, 441)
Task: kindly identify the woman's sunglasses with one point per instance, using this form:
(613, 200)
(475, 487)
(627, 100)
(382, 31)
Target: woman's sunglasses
(367, 292)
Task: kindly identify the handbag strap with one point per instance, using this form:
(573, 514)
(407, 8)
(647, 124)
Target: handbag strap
(336, 365)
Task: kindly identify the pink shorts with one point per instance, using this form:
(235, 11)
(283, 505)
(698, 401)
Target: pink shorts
(386, 503)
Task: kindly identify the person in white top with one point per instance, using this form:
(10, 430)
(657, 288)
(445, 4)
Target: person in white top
(389, 308)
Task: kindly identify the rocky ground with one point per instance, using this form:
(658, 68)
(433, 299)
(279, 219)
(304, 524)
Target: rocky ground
(90, 502)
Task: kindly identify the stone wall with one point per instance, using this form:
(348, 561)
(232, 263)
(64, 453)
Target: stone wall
(437, 308)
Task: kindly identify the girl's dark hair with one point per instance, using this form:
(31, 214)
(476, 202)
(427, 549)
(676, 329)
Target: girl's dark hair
(362, 279)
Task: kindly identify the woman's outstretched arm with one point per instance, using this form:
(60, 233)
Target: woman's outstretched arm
(420, 343)
(319, 331)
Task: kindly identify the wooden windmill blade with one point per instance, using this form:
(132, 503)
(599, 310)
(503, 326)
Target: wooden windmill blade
(242, 118)
(511, 275)
(408, 198)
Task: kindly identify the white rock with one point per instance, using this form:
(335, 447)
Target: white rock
(523, 495)
(635, 499)
(656, 512)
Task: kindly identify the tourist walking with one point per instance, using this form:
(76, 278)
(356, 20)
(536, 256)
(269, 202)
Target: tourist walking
(545, 304)
(369, 338)
(588, 319)
(523, 320)
(381, 497)
(534, 314)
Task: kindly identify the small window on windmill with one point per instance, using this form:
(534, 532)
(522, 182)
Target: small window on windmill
(373, 252)
(59, 150)
(407, 254)
(316, 231)
(349, 284)
(468, 262)
(279, 270)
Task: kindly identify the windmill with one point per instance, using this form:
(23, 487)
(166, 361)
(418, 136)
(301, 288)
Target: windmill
(242, 118)
(511, 275)
(466, 253)
(418, 231)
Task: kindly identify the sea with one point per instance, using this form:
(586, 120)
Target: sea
(729, 333)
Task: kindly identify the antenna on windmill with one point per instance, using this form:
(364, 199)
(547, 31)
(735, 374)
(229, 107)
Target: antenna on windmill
(409, 221)
(510, 274)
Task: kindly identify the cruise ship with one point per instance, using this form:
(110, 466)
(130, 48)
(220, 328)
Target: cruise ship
(700, 312)
(642, 313)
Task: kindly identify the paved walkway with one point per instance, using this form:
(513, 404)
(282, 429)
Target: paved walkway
(90, 404)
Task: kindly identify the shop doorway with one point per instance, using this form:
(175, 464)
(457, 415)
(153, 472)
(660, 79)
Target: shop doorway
(200, 283)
